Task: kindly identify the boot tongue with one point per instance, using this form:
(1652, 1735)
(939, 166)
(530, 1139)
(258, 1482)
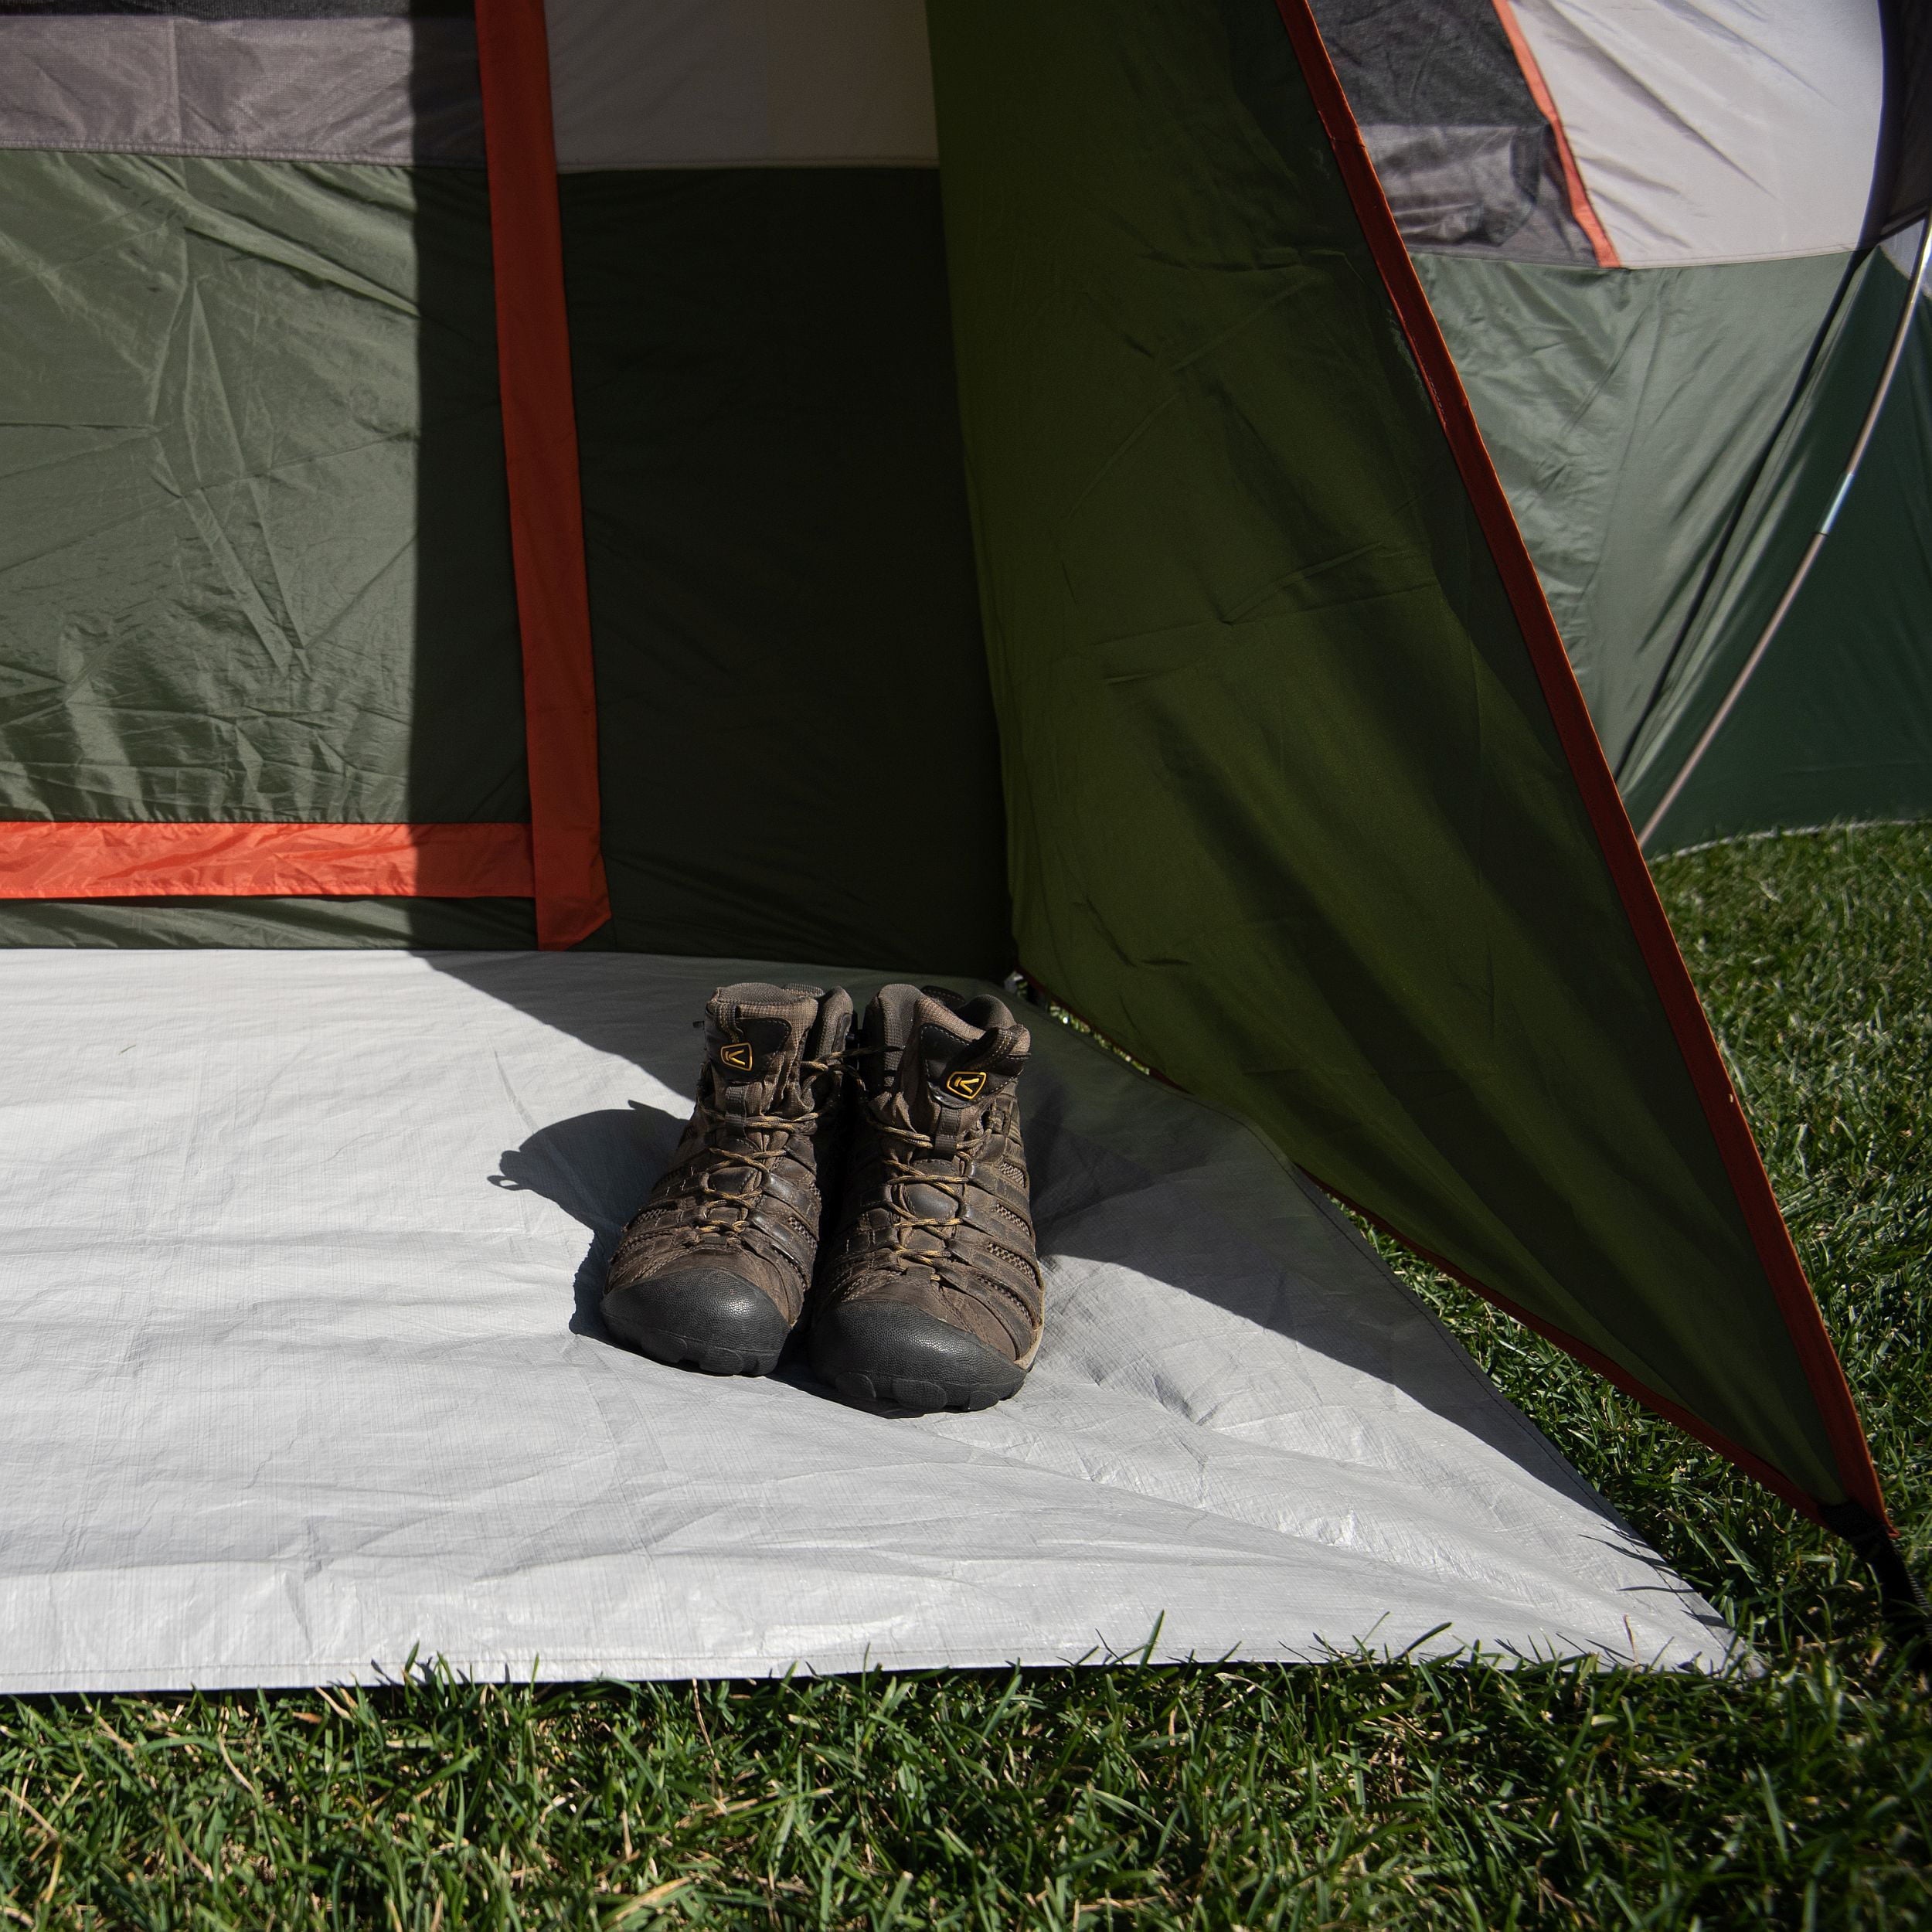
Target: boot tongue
(951, 1068)
(754, 1040)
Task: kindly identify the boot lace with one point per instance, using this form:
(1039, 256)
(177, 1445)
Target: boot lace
(904, 1148)
(724, 1214)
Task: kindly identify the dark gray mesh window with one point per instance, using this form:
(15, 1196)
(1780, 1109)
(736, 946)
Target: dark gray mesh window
(1467, 158)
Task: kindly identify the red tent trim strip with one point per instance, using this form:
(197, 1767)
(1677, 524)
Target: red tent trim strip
(1577, 735)
(105, 859)
(540, 458)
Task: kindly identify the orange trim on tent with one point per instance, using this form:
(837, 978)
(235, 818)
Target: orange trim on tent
(557, 858)
(1577, 735)
(51, 860)
(1580, 206)
(540, 457)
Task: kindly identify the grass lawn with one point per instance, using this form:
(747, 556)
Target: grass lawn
(1345, 1794)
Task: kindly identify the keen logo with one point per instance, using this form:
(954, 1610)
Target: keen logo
(736, 1055)
(966, 1087)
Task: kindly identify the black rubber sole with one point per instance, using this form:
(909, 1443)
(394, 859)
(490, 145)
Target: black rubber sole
(686, 1351)
(886, 1354)
(713, 1322)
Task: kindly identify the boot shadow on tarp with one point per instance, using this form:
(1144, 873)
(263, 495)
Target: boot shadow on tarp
(597, 1167)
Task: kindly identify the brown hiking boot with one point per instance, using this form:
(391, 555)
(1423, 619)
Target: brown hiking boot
(931, 1295)
(713, 1271)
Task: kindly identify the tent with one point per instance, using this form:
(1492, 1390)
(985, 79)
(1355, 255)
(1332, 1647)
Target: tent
(477, 479)
(1650, 235)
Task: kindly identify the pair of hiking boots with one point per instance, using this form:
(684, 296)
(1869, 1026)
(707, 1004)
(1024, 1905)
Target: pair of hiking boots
(874, 1176)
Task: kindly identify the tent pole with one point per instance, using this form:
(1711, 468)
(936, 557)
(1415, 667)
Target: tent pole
(1824, 530)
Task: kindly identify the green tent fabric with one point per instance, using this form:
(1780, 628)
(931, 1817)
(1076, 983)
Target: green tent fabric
(1670, 315)
(1077, 556)
(233, 382)
(1670, 439)
(1629, 413)
(1836, 724)
(1290, 815)
(208, 559)
(778, 526)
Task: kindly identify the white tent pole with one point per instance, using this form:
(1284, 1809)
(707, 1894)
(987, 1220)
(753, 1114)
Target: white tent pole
(1824, 530)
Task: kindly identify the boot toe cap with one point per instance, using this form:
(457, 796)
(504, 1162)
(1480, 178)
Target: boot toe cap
(704, 1316)
(881, 1351)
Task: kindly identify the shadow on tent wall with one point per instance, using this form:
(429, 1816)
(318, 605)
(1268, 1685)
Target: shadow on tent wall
(799, 755)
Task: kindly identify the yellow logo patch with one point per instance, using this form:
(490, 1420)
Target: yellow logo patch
(966, 1087)
(736, 1055)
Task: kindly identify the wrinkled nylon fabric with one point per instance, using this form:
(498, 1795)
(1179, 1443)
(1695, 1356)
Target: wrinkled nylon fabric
(1628, 412)
(253, 560)
(340, 1223)
(1836, 723)
(678, 83)
(1289, 818)
(392, 91)
(1712, 131)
